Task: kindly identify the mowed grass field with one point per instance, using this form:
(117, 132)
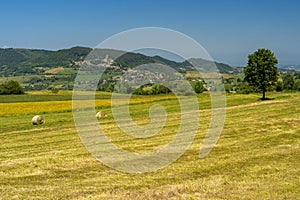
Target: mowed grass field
(256, 157)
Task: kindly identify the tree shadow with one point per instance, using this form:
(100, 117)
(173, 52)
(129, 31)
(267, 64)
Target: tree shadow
(266, 99)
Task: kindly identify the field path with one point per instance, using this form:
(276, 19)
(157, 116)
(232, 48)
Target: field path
(256, 104)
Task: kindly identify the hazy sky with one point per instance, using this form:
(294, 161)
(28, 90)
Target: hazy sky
(228, 29)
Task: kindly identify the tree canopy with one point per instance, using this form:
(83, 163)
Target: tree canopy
(11, 87)
(261, 71)
(288, 81)
(199, 87)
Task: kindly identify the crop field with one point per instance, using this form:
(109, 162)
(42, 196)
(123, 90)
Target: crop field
(256, 157)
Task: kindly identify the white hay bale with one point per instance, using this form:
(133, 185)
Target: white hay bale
(101, 114)
(38, 119)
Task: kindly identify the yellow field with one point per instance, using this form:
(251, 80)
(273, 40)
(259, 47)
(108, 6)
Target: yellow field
(53, 106)
(55, 70)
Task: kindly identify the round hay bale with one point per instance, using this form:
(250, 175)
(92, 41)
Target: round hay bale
(101, 114)
(38, 119)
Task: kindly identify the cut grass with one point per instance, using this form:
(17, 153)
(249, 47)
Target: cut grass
(256, 157)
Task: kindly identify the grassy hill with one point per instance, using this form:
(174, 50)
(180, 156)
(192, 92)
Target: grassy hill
(257, 156)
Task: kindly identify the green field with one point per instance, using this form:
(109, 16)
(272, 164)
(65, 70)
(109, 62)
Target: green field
(256, 157)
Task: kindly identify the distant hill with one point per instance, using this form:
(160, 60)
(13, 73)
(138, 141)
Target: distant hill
(24, 61)
(131, 60)
(30, 61)
(291, 68)
(43, 69)
(282, 68)
(207, 66)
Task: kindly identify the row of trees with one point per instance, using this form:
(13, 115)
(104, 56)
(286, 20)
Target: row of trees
(287, 81)
(151, 89)
(13, 87)
(291, 81)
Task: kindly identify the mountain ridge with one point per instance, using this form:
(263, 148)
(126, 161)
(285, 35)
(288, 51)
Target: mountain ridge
(21, 61)
(38, 69)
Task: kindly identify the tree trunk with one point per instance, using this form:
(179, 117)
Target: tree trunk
(264, 94)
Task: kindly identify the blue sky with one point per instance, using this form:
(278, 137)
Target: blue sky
(228, 29)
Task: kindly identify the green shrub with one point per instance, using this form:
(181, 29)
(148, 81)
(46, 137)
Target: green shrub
(11, 87)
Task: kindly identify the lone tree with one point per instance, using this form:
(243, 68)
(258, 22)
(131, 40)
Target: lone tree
(261, 71)
(199, 87)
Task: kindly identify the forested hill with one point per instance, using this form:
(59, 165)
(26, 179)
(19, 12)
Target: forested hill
(30, 61)
(18, 62)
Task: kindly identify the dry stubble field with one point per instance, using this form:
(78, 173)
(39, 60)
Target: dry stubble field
(257, 156)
